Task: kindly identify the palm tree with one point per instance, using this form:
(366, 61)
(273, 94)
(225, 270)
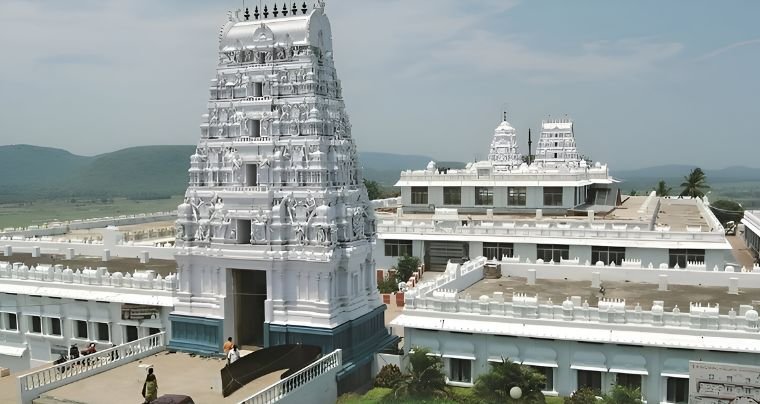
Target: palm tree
(695, 184)
(663, 189)
(424, 378)
(494, 386)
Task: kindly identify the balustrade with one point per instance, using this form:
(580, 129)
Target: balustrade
(32, 384)
(286, 386)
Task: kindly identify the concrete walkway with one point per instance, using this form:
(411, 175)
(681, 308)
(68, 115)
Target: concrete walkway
(177, 373)
(740, 251)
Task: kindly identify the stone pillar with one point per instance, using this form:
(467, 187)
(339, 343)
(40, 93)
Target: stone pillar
(663, 283)
(531, 277)
(733, 286)
(106, 255)
(539, 214)
(7, 251)
(36, 252)
(70, 254)
(144, 257)
(590, 215)
(596, 280)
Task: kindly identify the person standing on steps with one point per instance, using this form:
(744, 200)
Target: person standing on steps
(150, 387)
(228, 346)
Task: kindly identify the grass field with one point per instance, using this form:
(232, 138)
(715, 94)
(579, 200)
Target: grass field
(29, 213)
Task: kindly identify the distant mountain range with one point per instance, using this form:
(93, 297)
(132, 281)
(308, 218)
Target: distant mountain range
(666, 172)
(34, 172)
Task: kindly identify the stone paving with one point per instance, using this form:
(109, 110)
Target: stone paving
(176, 373)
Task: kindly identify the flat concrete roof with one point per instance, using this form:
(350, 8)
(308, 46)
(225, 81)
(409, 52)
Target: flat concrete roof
(114, 264)
(632, 292)
(176, 373)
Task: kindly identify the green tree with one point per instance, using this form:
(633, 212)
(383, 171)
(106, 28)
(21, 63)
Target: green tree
(494, 386)
(405, 267)
(374, 191)
(663, 189)
(424, 377)
(583, 395)
(695, 184)
(623, 395)
(726, 210)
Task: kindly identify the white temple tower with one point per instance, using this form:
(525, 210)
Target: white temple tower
(503, 153)
(275, 235)
(556, 146)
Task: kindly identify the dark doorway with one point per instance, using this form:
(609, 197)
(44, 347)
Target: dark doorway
(250, 288)
(131, 333)
(438, 253)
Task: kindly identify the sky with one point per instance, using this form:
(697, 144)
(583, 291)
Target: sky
(646, 82)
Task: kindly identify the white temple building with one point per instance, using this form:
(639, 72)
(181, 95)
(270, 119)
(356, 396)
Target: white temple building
(503, 154)
(274, 239)
(557, 143)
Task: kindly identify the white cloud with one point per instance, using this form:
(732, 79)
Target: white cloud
(720, 51)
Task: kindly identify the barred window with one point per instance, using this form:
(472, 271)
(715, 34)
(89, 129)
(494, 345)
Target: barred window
(419, 195)
(682, 257)
(516, 196)
(484, 196)
(452, 195)
(552, 252)
(398, 248)
(498, 250)
(607, 255)
(552, 196)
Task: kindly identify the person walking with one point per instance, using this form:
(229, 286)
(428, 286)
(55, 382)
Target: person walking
(150, 387)
(228, 346)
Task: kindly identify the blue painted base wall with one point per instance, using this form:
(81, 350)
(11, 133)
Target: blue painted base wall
(196, 334)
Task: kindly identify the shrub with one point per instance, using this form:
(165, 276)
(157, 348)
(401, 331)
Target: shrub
(425, 377)
(388, 376)
(583, 395)
(406, 267)
(623, 395)
(494, 386)
(388, 285)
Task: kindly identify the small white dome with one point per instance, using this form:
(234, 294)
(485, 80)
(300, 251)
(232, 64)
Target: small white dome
(431, 166)
(751, 315)
(657, 309)
(568, 305)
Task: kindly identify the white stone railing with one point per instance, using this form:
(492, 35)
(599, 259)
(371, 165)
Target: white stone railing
(530, 175)
(253, 139)
(574, 311)
(533, 229)
(455, 278)
(88, 276)
(284, 387)
(31, 385)
(386, 203)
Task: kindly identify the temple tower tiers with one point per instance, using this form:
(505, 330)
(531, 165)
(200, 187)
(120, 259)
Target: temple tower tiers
(556, 146)
(503, 153)
(275, 235)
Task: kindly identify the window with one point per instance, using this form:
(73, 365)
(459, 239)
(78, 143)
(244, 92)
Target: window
(590, 379)
(398, 248)
(678, 390)
(548, 374)
(55, 326)
(153, 331)
(516, 196)
(452, 196)
(484, 196)
(552, 196)
(35, 324)
(460, 370)
(80, 329)
(131, 333)
(607, 255)
(498, 250)
(102, 331)
(682, 257)
(552, 252)
(10, 321)
(419, 195)
(630, 381)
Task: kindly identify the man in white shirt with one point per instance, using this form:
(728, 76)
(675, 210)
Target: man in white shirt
(233, 355)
